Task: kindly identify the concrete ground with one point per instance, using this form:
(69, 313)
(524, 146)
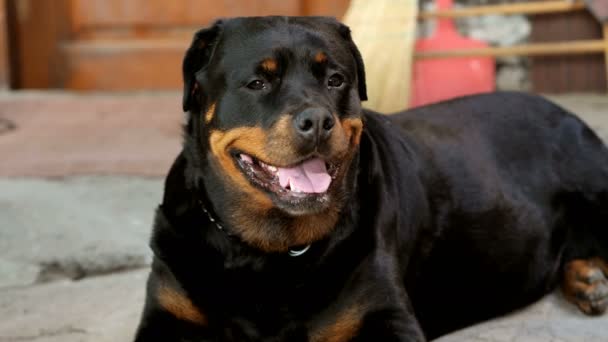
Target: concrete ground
(79, 179)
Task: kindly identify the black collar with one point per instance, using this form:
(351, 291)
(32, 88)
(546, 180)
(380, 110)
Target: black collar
(219, 226)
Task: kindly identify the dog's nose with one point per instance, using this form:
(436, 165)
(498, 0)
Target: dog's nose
(314, 124)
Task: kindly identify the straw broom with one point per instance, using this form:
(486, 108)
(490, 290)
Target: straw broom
(384, 31)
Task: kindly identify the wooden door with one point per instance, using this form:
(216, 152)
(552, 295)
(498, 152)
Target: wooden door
(123, 45)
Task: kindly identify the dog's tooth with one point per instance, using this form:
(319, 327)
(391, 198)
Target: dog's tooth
(268, 168)
(293, 187)
(290, 185)
(272, 168)
(246, 158)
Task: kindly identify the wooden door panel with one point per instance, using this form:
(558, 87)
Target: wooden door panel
(130, 65)
(159, 13)
(4, 58)
(38, 27)
(571, 73)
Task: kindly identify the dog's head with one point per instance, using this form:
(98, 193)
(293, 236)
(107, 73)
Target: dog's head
(274, 124)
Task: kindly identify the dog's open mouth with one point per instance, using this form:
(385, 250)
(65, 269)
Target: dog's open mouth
(309, 178)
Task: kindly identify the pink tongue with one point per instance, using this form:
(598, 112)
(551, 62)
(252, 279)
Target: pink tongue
(311, 176)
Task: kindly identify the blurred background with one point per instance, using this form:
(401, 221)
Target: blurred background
(114, 45)
(90, 115)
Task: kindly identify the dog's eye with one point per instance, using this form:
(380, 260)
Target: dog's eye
(256, 85)
(335, 81)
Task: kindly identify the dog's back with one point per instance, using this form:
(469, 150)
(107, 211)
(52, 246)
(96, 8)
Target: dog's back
(514, 183)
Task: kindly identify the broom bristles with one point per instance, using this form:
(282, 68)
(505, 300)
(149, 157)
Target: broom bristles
(384, 31)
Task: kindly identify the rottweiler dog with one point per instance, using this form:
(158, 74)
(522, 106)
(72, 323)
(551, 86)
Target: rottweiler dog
(292, 214)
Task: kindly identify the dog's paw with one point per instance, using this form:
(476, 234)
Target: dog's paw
(586, 285)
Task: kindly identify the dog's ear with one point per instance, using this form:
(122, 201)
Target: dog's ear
(345, 33)
(197, 58)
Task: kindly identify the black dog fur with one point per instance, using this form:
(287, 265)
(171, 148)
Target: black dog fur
(449, 214)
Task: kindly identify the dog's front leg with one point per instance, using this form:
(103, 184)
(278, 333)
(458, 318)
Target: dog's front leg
(373, 313)
(373, 306)
(169, 314)
(389, 313)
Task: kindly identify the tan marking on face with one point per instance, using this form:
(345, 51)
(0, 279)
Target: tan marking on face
(180, 306)
(270, 65)
(210, 113)
(245, 139)
(280, 142)
(343, 329)
(353, 127)
(320, 57)
(345, 138)
(274, 146)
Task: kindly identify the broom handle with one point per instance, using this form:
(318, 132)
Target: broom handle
(445, 25)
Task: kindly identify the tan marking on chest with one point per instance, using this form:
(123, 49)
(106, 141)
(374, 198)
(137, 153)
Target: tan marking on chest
(180, 306)
(343, 328)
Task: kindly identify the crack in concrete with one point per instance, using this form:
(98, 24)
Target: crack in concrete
(68, 330)
(75, 271)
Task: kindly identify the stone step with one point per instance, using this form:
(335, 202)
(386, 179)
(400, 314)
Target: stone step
(99, 309)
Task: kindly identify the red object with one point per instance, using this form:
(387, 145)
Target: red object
(440, 79)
